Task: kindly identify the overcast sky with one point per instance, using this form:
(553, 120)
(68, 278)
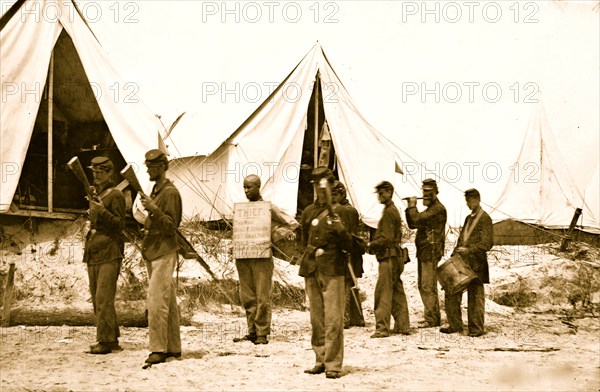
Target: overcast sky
(447, 82)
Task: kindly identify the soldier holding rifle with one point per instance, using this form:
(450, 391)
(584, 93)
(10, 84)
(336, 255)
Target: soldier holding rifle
(353, 315)
(104, 248)
(430, 225)
(159, 249)
(323, 267)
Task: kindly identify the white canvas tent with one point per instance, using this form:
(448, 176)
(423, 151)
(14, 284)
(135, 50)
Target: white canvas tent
(273, 140)
(591, 197)
(540, 190)
(49, 54)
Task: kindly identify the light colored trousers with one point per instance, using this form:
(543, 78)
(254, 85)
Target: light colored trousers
(163, 313)
(326, 299)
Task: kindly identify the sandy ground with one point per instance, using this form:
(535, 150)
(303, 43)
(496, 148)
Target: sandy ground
(524, 352)
(534, 350)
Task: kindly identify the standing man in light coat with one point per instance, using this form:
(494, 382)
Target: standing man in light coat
(475, 240)
(159, 249)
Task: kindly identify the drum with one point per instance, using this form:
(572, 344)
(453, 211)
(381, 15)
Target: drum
(455, 275)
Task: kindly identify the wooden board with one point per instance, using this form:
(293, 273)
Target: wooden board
(252, 230)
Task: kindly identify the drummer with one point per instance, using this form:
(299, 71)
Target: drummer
(476, 238)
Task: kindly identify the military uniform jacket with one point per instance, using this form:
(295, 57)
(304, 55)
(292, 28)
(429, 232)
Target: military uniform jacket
(479, 242)
(105, 240)
(161, 227)
(431, 226)
(350, 219)
(322, 236)
(386, 242)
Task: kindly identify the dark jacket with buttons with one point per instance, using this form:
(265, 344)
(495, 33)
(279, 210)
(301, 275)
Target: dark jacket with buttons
(105, 240)
(386, 242)
(318, 233)
(350, 218)
(431, 230)
(161, 227)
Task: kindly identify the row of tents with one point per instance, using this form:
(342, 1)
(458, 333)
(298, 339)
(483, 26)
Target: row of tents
(58, 91)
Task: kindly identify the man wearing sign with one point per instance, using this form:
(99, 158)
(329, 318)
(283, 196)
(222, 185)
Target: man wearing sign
(256, 273)
(476, 238)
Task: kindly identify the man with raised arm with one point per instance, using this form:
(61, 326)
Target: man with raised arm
(431, 226)
(103, 253)
(325, 240)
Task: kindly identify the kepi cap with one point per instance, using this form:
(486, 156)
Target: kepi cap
(322, 172)
(101, 164)
(339, 188)
(155, 157)
(384, 185)
(472, 193)
(429, 184)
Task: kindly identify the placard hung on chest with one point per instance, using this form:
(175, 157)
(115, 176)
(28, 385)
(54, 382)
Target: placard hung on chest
(252, 230)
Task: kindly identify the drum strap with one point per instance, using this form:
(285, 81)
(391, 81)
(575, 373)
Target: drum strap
(471, 226)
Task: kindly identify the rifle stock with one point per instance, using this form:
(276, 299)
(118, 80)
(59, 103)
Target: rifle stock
(130, 176)
(324, 184)
(75, 165)
(186, 250)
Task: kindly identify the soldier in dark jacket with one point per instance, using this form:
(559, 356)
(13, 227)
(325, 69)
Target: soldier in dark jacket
(390, 299)
(323, 267)
(349, 215)
(159, 249)
(430, 225)
(104, 253)
(476, 238)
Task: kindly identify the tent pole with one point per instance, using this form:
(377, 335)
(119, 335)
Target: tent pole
(50, 107)
(316, 125)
